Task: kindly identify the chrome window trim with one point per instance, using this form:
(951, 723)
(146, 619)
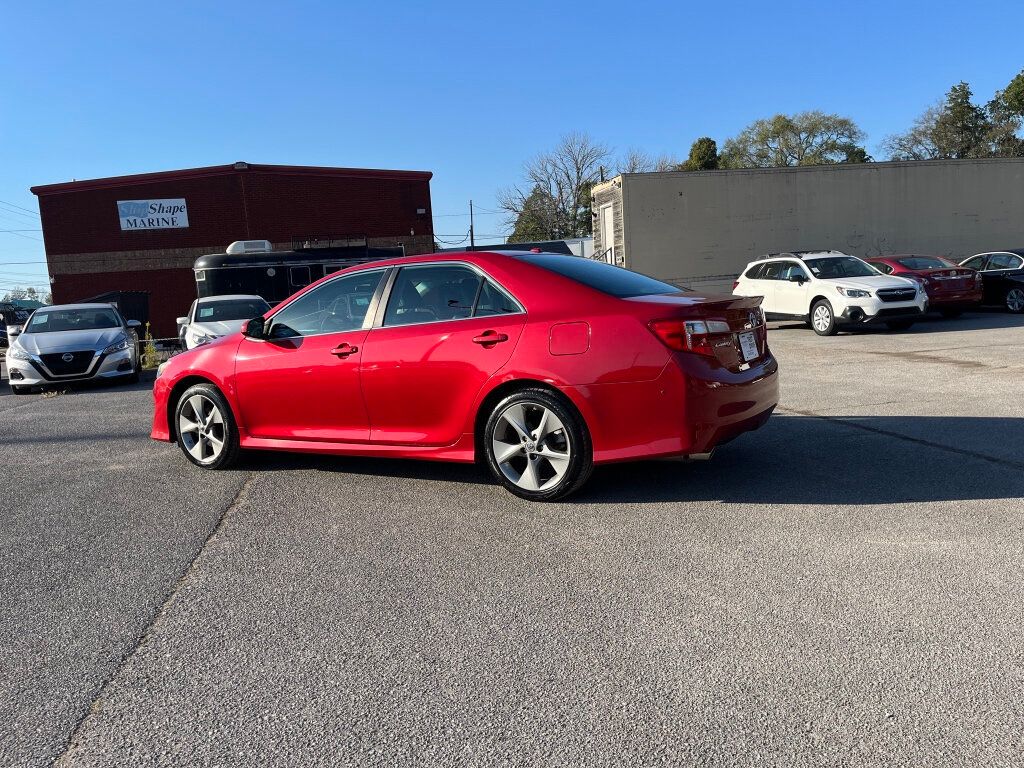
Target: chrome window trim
(378, 304)
(379, 321)
(370, 310)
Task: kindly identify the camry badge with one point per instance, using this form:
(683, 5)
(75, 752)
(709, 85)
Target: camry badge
(67, 357)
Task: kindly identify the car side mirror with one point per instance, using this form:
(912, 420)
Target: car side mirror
(255, 328)
(797, 279)
(181, 321)
(13, 330)
(134, 324)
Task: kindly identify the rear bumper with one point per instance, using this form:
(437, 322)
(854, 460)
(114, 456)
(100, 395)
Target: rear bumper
(954, 299)
(693, 406)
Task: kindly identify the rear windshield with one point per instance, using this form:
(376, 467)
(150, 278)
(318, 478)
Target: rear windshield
(924, 262)
(614, 281)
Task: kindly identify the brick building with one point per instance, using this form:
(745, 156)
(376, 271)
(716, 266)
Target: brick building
(143, 232)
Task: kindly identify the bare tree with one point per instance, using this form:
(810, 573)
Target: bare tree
(666, 163)
(919, 142)
(561, 179)
(635, 161)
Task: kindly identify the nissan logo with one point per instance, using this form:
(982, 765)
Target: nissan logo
(67, 357)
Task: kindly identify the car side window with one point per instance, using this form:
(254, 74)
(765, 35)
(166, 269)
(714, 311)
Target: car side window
(426, 294)
(338, 305)
(494, 301)
(755, 272)
(772, 271)
(789, 270)
(976, 262)
(1004, 261)
(882, 267)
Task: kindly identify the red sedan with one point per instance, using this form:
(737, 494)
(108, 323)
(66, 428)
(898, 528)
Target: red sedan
(951, 288)
(536, 364)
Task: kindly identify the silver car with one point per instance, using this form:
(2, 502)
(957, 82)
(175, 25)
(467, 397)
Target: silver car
(214, 316)
(72, 342)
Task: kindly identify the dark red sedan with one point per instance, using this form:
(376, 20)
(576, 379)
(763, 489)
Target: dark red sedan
(536, 364)
(951, 288)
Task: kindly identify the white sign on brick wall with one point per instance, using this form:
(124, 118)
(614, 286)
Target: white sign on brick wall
(153, 214)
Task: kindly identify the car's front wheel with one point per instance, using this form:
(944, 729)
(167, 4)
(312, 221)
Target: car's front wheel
(537, 446)
(21, 389)
(823, 319)
(205, 428)
(1015, 300)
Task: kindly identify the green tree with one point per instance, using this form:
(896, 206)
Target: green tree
(703, 155)
(962, 128)
(807, 138)
(536, 218)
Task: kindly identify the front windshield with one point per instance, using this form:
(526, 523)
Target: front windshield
(230, 309)
(56, 320)
(840, 266)
(924, 262)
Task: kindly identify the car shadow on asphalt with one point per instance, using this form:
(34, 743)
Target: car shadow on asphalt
(792, 460)
(144, 384)
(974, 320)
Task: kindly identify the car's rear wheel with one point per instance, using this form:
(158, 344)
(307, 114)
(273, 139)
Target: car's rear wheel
(1015, 300)
(900, 325)
(823, 319)
(537, 446)
(205, 428)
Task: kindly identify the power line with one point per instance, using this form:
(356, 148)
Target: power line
(20, 208)
(17, 233)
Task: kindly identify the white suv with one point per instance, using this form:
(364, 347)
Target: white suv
(831, 290)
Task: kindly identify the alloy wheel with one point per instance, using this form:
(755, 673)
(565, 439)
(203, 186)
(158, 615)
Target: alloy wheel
(1015, 300)
(531, 446)
(822, 318)
(201, 429)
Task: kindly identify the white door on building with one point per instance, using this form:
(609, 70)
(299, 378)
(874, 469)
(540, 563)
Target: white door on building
(607, 233)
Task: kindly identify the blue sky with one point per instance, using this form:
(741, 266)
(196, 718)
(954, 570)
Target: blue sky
(466, 90)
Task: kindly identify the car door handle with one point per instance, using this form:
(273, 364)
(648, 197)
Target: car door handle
(344, 350)
(490, 337)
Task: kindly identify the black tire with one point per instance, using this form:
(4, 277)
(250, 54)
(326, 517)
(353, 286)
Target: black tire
(820, 312)
(227, 433)
(21, 389)
(572, 438)
(1014, 300)
(900, 325)
(951, 314)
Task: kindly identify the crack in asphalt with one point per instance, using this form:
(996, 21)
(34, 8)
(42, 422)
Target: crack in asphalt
(63, 759)
(899, 435)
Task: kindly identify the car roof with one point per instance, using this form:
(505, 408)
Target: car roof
(75, 306)
(231, 297)
(803, 255)
(1014, 251)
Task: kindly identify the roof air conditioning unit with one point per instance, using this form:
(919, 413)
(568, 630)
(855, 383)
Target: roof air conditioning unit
(249, 246)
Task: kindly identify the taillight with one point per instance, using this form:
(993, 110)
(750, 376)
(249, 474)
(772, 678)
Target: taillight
(688, 335)
(735, 284)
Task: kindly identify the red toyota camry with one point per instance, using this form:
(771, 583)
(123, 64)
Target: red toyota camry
(537, 364)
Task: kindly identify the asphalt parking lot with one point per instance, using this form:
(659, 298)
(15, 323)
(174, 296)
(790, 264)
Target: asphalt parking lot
(842, 587)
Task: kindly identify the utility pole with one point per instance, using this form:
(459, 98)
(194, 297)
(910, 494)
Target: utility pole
(472, 239)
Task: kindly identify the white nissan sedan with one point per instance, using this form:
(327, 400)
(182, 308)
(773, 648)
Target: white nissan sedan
(72, 342)
(214, 316)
